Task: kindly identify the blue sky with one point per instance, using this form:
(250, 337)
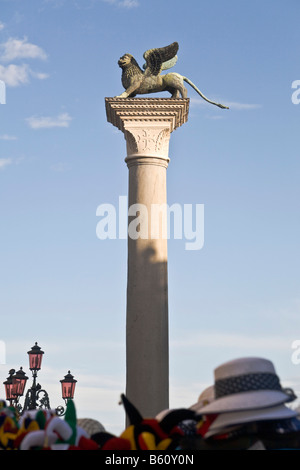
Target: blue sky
(60, 159)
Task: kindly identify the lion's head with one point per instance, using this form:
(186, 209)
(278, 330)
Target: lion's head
(125, 60)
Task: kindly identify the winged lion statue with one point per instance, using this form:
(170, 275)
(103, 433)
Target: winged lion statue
(139, 82)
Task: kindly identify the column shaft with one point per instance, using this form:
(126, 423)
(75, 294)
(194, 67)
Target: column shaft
(147, 352)
(147, 124)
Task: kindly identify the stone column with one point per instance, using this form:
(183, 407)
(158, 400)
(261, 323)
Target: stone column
(147, 124)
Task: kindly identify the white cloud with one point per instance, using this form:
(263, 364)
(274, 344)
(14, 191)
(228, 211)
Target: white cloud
(62, 120)
(231, 104)
(59, 167)
(8, 137)
(89, 4)
(4, 162)
(15, 75)
(13, 49)
(55, 3)
(129, 3)
(242, 106)
(21, 49)
(2, 26)
(227, 340)
(39, 75)
(123, 3)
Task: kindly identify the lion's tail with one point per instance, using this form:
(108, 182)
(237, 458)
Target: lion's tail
(187, 80)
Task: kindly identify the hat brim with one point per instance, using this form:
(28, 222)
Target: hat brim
(244, 401)
(225, 420)
(200, 404)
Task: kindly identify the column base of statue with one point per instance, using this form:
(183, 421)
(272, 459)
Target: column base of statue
(147, 124)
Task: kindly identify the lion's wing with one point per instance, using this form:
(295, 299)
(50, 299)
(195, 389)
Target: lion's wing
(160, 59)
(169, 63)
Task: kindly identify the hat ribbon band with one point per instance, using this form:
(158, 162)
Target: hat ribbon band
(246, 383)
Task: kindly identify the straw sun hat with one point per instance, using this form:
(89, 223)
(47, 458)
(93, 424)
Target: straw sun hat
(225, 420)
(244, 384)
(205, 397)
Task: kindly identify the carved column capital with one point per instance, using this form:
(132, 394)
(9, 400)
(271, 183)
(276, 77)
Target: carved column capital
(147, 124)
(145, 142)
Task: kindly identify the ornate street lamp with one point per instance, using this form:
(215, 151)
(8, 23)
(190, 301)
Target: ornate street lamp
(67, 390)
(19, 380)
(33, 399)
(35, 358)
(9, 387)
(68, 387)
(36, 397)
(14, 387)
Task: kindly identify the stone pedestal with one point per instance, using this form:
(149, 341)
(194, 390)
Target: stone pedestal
(147, 124)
